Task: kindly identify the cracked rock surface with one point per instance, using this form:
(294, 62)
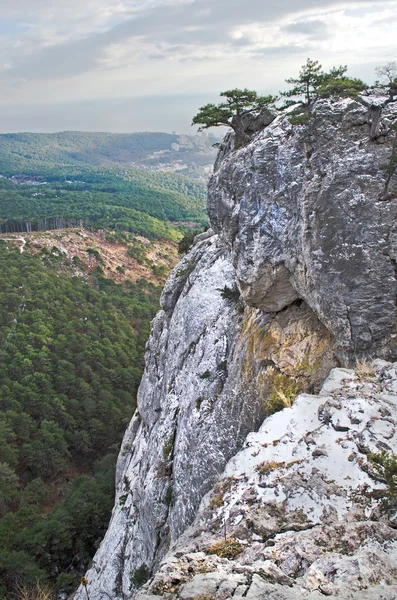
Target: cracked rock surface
(307, 212)
(307, 522)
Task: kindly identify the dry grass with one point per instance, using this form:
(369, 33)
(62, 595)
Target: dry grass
(269, 465)
(364, 368)
(204, 597)
(284, 391)
(219, 492)
(38, 592)
(228, 548)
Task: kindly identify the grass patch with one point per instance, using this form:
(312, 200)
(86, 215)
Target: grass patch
(219, 492)
(302, 119)
(364, 369)
(284, 391)
(37, 592)
(228, 548)
(267, 466)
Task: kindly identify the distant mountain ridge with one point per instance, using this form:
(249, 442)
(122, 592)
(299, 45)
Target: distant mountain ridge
(75, 147)
(190, 155)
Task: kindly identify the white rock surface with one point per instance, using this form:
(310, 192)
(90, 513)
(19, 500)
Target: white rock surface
(301, 502)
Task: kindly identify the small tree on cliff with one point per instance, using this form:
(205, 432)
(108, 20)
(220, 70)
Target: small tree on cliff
(388, 75)
(314, 83)
(310, 77)
(238, 103)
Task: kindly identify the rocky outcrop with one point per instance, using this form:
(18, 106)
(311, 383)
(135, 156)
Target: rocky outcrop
(305, 212)
(297, 278)
(299, 505)
(211, 365)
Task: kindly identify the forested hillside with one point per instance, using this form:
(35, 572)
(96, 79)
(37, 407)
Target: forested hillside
(75, 311)
(26, 152)
(71, 352)
(76, 147)
(53, 196)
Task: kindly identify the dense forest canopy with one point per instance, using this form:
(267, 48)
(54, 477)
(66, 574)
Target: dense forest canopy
(70, 364)
(138, 201)
(76, 147)
(71, 348)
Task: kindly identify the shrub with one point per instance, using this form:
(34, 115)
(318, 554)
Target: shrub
(168, 496)
(187, 242)
(302, 119)
(269, 465)
(384, 467)
(228, 548)
(140, 575)
(205, 375)
(228, 293)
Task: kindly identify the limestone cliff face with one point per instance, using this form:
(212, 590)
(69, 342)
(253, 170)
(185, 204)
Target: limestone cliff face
(297, 278)
(308, 212)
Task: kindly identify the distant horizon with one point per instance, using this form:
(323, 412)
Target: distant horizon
(55, 132)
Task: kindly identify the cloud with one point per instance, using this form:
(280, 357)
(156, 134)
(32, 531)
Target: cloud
(313, 28)
(58, 51)
(197, 23)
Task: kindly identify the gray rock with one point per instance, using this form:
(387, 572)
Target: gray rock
(302, 210)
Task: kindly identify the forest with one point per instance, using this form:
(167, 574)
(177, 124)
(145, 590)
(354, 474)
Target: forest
(78, 147)
(127, 199)
(71, 358)
(72, 347)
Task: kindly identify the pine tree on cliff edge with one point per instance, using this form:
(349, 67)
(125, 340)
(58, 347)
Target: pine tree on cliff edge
(228, 114)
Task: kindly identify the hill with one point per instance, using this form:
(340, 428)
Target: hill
(51, 196)
(193, 155)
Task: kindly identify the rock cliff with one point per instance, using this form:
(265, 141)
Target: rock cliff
(296, 277)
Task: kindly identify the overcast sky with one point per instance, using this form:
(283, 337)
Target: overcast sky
(148, 65)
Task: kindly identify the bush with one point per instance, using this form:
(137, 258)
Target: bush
(140, 576)
(302, 119)
(384, 467)
(228, 548)
(228, 293)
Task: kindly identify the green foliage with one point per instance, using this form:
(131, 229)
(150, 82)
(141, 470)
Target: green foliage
(137, 250)
(49, 195)
(314, 83)
(76, 147)
(299, 119)
(168, 496)
(305, 85)
(70, 365)
(205, 375)
(140, 576)
(187, 241)
(340, 87)
(237, 102)
(232, 294)
(384, 465)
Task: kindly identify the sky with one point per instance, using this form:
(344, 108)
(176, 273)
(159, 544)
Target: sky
(148, 65)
